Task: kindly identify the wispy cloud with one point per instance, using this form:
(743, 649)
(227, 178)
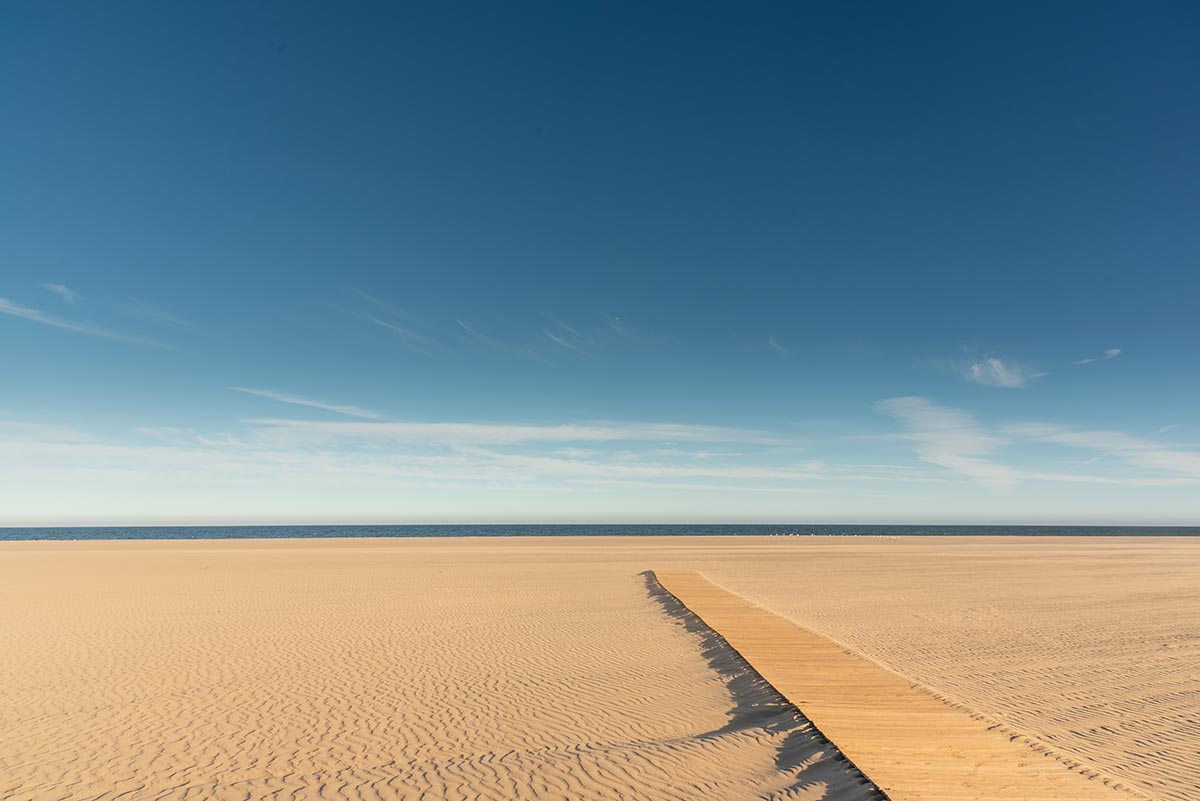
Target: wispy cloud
(283, 397)
(998, 373)
(409, 338)
(174, 435)
(1111, 353)
(567, 337)
(1166, 428)
(475, 335)
(1122, 481)
(454, 433)
(1135, 451)
(390, 308)
(953, 439)
(62, 291)
(149, 311)
(392, 467)
(407, 327)
(570, 330)
(621, 327)
(19, 430)
(537, 343)
(659, 486)
(37, 316)
(559, 339)
(950, 438)
(645, 469)
(357, 459)
(775, 345)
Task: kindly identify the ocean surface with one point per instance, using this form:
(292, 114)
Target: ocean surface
(623, 530)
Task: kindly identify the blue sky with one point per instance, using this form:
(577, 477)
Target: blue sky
(280, 262)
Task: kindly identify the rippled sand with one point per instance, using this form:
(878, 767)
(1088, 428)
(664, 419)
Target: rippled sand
(549, 669)
(386, 669)
(1091, 647)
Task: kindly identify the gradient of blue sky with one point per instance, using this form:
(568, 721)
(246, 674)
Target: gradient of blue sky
(599, 262)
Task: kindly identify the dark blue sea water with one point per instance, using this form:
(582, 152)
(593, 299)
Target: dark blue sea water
(623, 530)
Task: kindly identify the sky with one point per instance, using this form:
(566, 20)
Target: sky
(599, 262)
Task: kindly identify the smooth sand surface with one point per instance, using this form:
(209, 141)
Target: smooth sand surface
(912, 745)
(548, 668)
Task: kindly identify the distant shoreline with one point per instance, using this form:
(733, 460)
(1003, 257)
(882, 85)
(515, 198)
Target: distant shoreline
(97, 533)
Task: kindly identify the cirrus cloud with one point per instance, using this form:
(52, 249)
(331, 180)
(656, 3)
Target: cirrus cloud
(1111, 353)
(950, 438)
(998, 373)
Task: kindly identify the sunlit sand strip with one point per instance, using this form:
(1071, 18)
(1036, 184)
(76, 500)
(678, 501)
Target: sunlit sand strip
(913, 746)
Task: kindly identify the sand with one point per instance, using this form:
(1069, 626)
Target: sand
(914, 746)
(1090, 647)
(550, 669)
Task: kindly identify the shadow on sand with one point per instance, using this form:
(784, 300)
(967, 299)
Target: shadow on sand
(803, 753)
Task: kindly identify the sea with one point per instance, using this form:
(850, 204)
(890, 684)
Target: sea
(579, 530)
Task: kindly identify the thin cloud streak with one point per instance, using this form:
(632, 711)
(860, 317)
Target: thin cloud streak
(402, 324)
(953, 439)
(62, 291)
(549, 465)
(394, 311)
(570, 330)
(148, 311)
(1124, 481)
(409, 338)
(19, 430)
(691, 487)
(621, 329)
(476, 335)
(568, 337)
(1135, 451)
(183, 455)
(1111, 353)
(996, 373)
(37, 316)
(559, 340)
(184, 461)
(452, 433)
(283, 397)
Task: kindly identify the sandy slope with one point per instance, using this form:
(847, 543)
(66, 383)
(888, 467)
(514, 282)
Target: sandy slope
(544, 668)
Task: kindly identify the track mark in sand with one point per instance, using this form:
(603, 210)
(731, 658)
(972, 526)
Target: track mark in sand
(912, 745)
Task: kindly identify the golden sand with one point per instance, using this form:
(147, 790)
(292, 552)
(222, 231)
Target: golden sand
(548, 668)
(913, 746)
(1090, 647)
(386, 669)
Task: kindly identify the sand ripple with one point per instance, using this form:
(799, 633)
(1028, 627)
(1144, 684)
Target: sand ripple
(543, 668)
(173, 671)
(1090, 649)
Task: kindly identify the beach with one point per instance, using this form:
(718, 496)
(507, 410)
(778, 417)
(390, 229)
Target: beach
(555, 668)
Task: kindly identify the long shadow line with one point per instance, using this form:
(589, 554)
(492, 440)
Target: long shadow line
(758, 705)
